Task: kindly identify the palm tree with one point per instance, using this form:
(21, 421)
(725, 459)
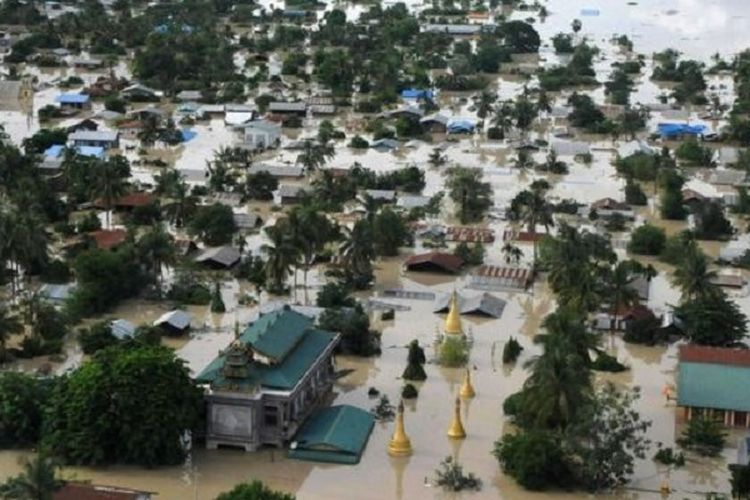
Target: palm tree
(358, 250)
(156, 248)
(484, 102)
(314, 155)
(38, 481)
(512, 253)
(621, 293)
(280, 258)
(108, 184)
(693, 277)
(315, 232)
(149, 132)
(568, 322)
(534, 210)
(9, 325)
(503, 118)
(181, 203)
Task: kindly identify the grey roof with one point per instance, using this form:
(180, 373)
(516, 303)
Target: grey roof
(247, 221)
(385, 144)
(189, 95)
(277, 170)
(453, 29)
(633, 147)
(570, 148)
(727, 155)
(381, 194)
(437, 117)
(93, 135)
(483, 304)
(57, 292)
(675, 114)
(239, 108)
(226, 256)
(86, 61)
(108, 115)
(409, 201)
(262, 125)
(177, 318)
(727, 177)
(137, 88)
(122, 328)
(289, 107)
(291, 190)
(642, 286)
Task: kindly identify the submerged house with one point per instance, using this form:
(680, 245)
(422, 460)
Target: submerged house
(713, 382)
(262, 388)
(73, 101)
(261, 134)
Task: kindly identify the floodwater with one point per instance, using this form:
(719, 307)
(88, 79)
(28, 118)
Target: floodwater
(696, 28)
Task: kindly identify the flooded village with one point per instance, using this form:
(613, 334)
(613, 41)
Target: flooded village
(374, 250)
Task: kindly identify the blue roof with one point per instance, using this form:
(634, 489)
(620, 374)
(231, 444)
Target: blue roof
(336, 434)
(712, 385)
(91, 151)
(72, 98)
(54, 151)
(417, 94)
(188, 134)
(459, 126)
(677, 129)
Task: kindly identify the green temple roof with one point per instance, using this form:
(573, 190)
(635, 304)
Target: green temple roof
(337, 434)
(285, 333)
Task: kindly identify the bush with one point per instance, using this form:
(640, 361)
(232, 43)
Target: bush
(187, 289)
(96, 337)
(513, 404)
(334, 294)
(606, 363)
(354, 325)
(634, 195)
(533, 458)
(703, 435)
(511, 351)
(217, 303)
(647, 240)
(213, 224)
(253, 491)
(358, 142)
(668, 456)
(415, 360)
(384, 410)
(454, 352)
(22, 399)
(451, 476)
(409, 392)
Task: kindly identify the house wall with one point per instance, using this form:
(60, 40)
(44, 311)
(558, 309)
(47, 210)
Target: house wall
(730, 418)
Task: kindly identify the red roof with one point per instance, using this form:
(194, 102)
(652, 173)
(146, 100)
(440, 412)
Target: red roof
(638, 312)
(520, 274)
(715, 355)
(135, 200)
(107, 239)
(81, 491)
(447, 261)
(470, 234)
(524, 236)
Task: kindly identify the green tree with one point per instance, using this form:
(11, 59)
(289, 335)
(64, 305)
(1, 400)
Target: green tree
(22, 398)
(38, 481)
(108, 182)
(713, 319)
(254, 491)
(531, 208)
(128, 405)
(693, 276)
(704, 435)
(415, 359)
(358, 251)
(389, 232)
(647, 240)
(471, 196)
(10, 324)
(534, 458)
(157, 250)
(213, 224)
(281, 255)
(314, 155)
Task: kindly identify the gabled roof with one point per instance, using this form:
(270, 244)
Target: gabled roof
(226, 256)
(293, 107)
(106, 239)
(93, 135)
(72, 98)
(445, 261)
(274, 335)
(337, 434)
(122, 328)
(178, 319)
(83, 491)
(482, 304)
(277, 170)
(714, 377)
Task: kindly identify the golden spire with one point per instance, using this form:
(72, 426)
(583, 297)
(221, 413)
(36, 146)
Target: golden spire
(467, 390)
(400, 445)
(453, 320)
(456, 430)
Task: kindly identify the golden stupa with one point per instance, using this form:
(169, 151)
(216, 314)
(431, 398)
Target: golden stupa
(467, 390)
(453, 320)
(400, 445)
(456, 430)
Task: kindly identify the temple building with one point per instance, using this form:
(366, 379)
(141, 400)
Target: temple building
(262, 388)
(713, 382)
(453, 320)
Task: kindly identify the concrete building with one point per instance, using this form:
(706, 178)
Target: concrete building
(266, 383)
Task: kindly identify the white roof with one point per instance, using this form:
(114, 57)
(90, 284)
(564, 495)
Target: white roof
(178, 319)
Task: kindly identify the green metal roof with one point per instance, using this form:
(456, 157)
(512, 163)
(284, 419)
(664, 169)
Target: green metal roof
(710, 385)
(282, 376)
(337, 434)
(275, 334)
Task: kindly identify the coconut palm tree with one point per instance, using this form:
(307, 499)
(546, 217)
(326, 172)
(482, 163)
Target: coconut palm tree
(568, 322)
(534, 210)
(358, 251)
(156, 248)
(9, 325)
(693, 277)
(512, 253)
(315, 232)
(108, 183)
(38, 481)
(503, 118)
(314, 155)
(280, 258)
(484, 102)
(621, 294)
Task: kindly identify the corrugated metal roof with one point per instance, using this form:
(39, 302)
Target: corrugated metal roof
(711, 385)
(275, 334)
(178, 319)
(337, 434)
(715, 355)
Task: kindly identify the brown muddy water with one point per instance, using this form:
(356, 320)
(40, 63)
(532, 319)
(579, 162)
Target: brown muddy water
(695, 27)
